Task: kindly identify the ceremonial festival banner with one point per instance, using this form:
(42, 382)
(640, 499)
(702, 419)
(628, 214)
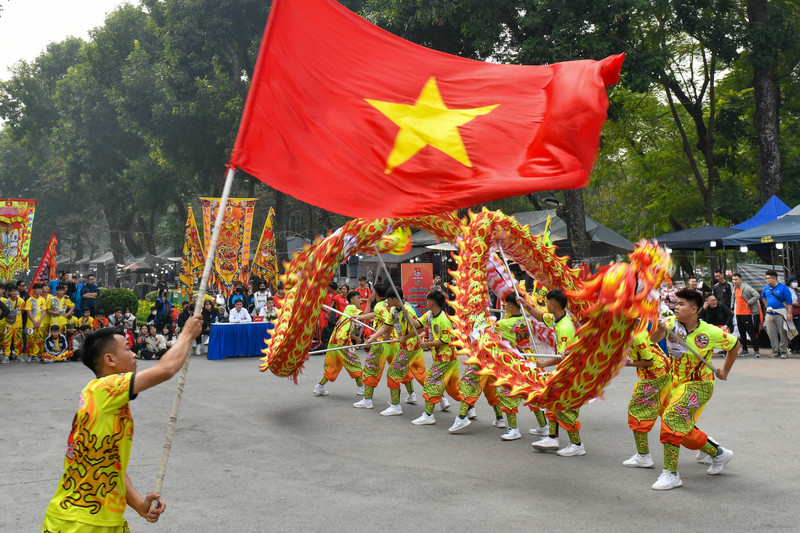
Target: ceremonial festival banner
(417, 280)
(232, 256)
(16, 222)
(339, 105)
(47, 266)
(194, 258)
(265, 261)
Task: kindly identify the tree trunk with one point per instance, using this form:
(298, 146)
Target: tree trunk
(126, 227)
(576, 224)
(146, 231)
(183, 212)
(532, 199)
(78, 243)
(117, 227)
(766, 117)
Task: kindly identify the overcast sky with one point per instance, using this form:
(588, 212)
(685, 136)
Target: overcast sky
(28, 26)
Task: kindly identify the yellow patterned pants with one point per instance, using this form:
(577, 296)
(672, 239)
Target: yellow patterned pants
(56, 525)
(12, 338)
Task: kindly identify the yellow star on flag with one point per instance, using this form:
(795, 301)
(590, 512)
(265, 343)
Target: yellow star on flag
(427, 122)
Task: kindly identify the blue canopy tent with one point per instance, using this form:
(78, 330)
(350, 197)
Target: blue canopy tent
(784, 229)
(770, 211)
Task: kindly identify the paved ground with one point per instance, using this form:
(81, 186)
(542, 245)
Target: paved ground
(254, 452)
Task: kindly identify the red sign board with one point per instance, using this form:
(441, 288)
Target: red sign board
(417, 280)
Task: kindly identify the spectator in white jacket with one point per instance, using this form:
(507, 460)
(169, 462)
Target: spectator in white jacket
(239, 314)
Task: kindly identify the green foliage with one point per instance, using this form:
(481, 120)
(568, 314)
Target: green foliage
(110, 299)
(118, 135)
(143, 312)
(151, 296)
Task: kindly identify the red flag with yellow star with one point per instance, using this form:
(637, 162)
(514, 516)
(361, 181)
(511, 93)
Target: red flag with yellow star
(350, 118)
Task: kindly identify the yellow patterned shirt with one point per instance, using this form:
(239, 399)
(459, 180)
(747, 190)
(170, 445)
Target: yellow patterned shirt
(60, 305)
(383, 316)
(36, 306)
(514, 331)
(341, 335)
(565, 330)
(643, 349)
(92, 489)
(15, 309)
(703, 339)
(442, 331)
(399, 322)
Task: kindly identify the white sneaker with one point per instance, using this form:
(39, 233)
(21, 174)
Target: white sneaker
(471, 414)
(639, 461)
(319, 390)
(46, 361)
(424, 420)
(37, 359)
(499, 423)
(546, 444)
(702, 457)
(459, 424)
(719, 462)
(572, 450)
(360, 390)
(364, 403)
(541, 431)
(392, 410)
(667, 480)
(444, 405)
(511, 434)
(412, 398)
(4, 361)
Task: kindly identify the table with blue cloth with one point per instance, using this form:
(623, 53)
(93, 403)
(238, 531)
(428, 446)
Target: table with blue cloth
(234, 340)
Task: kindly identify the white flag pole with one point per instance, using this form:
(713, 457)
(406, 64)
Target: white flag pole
(211, 250)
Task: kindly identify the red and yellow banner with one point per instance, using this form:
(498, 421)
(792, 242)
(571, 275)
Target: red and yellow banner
(47, 266)
(232, 256)
(265, 262)
(193, 258)
(16, 222)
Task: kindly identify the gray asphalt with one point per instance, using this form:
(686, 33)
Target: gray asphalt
(254, 452)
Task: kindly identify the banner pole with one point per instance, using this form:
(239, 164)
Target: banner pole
(198, 307)
(396, 294)
(514, 285)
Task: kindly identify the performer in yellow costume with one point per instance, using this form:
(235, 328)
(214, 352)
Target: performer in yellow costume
(95, 489)
(379, 354)
(513, 329)
(38, 322)
(650, 394)
(11, 326)
(402, 319)
(346, 358)
(443, 374)
(558, 319)
(692, 386)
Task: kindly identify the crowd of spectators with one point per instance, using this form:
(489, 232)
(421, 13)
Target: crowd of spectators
(744, 311)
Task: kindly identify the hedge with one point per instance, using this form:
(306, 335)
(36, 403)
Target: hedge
(110, 299)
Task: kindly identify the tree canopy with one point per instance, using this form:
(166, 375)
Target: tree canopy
(119, 134)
